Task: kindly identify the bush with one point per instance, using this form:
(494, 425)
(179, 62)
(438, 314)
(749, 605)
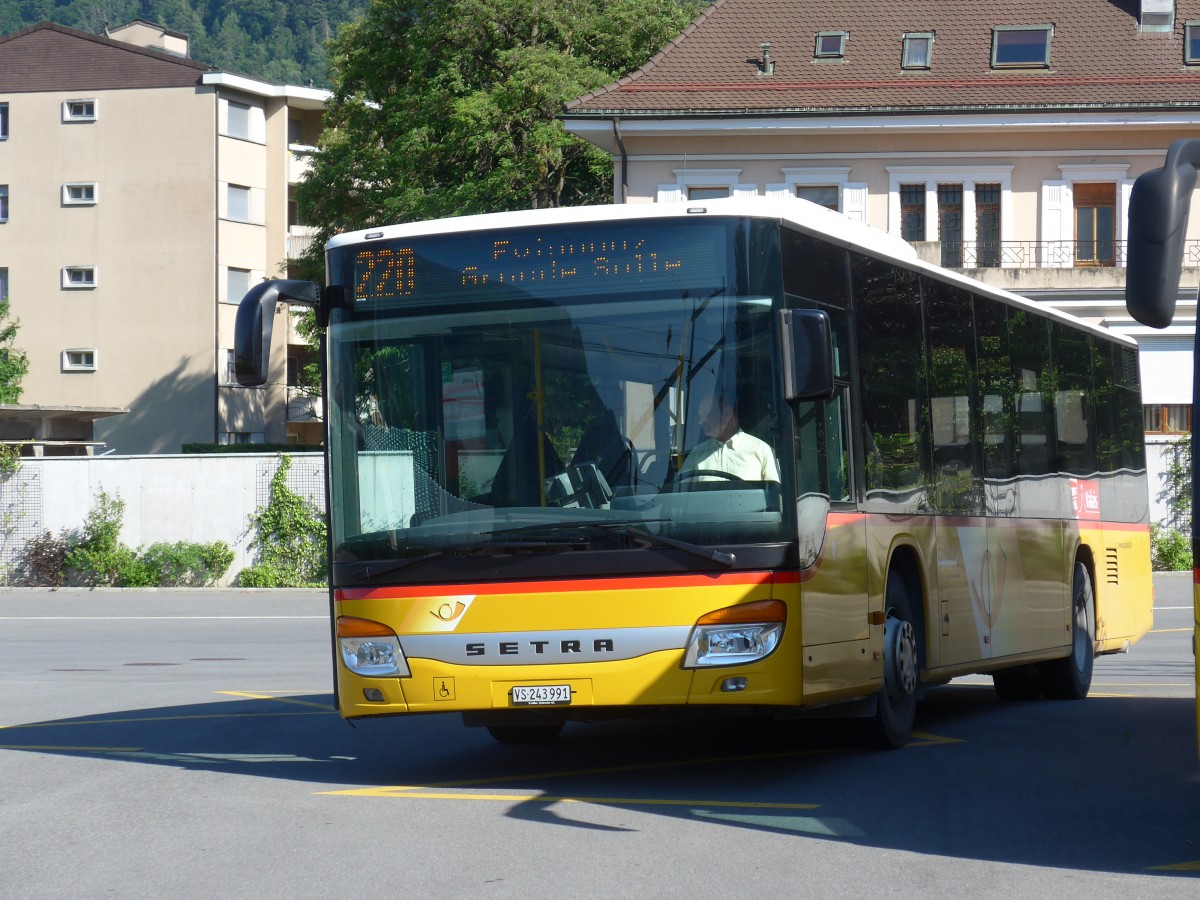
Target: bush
(289, 539)
(98, 558)
(1170, 550)
(42, 562)
(185, 564)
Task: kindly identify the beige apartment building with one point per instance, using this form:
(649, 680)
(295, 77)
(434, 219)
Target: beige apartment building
(1000, 138)
(141, 194)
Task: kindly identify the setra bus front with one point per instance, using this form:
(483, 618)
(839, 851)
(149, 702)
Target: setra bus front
(558, 461)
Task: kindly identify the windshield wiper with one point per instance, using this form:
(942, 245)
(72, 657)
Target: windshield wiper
(363, 573)
(728, 560)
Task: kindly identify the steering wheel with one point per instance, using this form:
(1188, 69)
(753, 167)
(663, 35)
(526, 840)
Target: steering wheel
(694, 474)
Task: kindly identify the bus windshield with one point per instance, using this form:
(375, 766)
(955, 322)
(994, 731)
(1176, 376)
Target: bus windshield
(599, 421)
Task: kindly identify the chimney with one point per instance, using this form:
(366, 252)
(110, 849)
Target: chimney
(1157, 15)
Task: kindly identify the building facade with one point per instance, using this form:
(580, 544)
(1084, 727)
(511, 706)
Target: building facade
(1001, 139)
(142, 194)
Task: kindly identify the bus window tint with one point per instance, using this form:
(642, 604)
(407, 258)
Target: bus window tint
(953, 400)
(1073, 401)
(995, 387)
(891, 352)
(1030, 348)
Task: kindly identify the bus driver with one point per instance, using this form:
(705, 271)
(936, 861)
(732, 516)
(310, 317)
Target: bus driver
(728, 449)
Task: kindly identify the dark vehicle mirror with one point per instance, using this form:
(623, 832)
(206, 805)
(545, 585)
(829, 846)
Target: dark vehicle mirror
(807, 354)
(252, 329)
(1158, 216)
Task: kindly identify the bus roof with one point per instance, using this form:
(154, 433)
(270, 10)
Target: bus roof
(801, 214)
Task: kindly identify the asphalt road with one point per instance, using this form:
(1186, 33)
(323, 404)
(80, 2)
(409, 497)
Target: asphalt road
(182, 744)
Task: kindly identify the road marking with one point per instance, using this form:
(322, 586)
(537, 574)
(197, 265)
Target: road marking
(1193, 866)
(266, 696)
(1170, 630)
(64, 749)
(413, 793)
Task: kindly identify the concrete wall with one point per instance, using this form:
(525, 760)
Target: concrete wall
(201, 498)
(210, 497)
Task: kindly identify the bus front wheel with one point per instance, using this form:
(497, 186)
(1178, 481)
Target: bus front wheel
(896, 705)
(1070, 678)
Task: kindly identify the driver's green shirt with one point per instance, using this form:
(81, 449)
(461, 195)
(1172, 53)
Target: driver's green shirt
(742, 455)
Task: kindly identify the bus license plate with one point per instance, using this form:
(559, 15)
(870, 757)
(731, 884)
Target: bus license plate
(541, 695)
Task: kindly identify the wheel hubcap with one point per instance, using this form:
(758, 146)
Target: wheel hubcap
(899, 659)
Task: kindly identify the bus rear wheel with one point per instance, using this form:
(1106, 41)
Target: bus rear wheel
(1070, 678)
(896, 705)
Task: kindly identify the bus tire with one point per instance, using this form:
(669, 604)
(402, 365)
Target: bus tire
(1070, 678)
(896, 704)
(526, 734)
(1017, 683)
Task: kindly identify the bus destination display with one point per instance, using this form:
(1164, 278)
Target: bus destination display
(547, 263)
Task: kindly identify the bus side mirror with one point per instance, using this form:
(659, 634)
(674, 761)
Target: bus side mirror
(252, 328)
(807, 354)
(1158, 216)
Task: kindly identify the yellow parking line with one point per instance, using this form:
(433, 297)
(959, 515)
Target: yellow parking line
(55, 748)
(258, 695)
(1193, 866)
(412, 793)
(1168, 630)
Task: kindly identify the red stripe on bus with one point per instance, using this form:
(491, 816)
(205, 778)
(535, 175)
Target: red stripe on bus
(651, 582)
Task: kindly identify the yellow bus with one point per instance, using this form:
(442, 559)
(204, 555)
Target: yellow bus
(744, 455)
(1158, 213)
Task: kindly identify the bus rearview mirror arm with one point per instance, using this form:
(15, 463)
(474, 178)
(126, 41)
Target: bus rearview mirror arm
(1158, 217)
(256, 315)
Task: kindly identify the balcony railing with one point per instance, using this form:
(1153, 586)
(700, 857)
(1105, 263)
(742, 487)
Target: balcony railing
(1038, 254)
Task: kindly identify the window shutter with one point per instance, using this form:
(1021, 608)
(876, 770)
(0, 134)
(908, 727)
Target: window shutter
(779, 190)
(670, 193)
(854, 201)
(744, 190)
(1056, 246)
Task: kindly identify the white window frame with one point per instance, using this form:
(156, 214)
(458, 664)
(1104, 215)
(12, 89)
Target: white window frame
(851, 197)
(83, 365)
(256, 120)
(1190, 28)
(255, 203)
(69, 115)
(255, 437)
(70, 284)
(228, 373)
(253, 276)
(968, 177)
(1057, 212)
(704, 178)
(68, 200)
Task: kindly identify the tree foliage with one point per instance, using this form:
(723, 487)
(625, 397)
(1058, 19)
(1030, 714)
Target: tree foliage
(14, 363)
(451, 108)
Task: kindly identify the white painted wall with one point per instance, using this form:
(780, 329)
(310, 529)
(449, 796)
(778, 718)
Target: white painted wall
(201, 498)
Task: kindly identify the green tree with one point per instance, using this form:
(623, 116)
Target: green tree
(14, 363)
(450, 108)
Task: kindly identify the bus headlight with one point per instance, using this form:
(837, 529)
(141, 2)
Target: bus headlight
(736, 635)
(370, 648)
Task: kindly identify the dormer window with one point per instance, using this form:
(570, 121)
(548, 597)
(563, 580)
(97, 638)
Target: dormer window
(1191, 44)
(918, 50)
(830, 45)
(1021, 46)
